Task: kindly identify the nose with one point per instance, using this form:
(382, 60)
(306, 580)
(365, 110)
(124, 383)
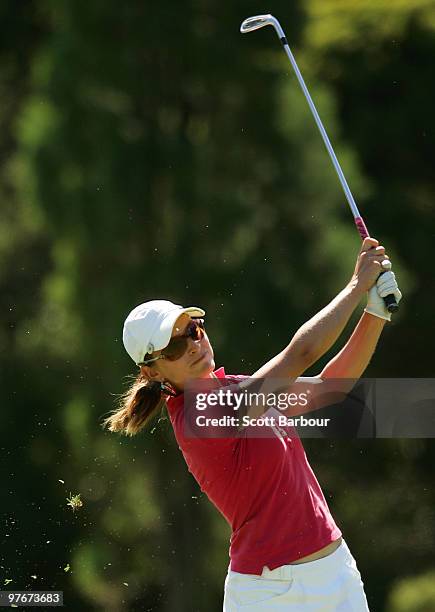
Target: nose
(193, 346)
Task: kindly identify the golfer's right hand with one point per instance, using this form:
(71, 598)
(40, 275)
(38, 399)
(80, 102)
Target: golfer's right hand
(368, 264)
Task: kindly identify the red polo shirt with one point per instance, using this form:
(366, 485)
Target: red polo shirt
(265, 489)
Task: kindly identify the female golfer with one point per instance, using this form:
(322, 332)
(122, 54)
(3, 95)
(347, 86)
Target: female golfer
(286, 552)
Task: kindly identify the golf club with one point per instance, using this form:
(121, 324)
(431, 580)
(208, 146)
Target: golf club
(260, 21)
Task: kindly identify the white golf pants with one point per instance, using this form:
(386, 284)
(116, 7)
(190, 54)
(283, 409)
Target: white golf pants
(330, 584)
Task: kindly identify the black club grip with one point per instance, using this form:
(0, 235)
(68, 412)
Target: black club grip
(389, 300)
(390, 303)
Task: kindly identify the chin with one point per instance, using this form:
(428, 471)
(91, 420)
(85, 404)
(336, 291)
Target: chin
(206, 366)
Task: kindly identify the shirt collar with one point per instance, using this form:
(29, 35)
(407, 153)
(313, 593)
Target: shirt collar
(220, 372)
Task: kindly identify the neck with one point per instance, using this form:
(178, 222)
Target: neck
(180, 387)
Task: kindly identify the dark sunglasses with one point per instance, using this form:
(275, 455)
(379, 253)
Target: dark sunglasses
(178, 345)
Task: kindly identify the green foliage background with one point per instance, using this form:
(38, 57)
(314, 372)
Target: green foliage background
(155, 152)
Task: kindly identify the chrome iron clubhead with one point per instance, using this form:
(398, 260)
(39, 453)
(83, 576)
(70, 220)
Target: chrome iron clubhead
(260, 21)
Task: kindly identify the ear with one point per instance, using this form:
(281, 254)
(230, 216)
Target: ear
(150, 373)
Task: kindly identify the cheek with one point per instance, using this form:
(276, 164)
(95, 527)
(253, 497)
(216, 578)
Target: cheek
(168, 369)
(171, 370)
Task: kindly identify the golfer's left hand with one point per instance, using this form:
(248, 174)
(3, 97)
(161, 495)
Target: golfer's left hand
(368, 264)
(385, 285)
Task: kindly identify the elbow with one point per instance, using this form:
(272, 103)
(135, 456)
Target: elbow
(307, 353)
(308, 358)
(299, 359)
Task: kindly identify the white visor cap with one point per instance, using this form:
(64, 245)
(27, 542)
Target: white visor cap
(149, 326)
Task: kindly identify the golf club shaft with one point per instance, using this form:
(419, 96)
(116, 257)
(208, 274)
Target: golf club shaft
(389, 300)
(255, 23)
(361, 228)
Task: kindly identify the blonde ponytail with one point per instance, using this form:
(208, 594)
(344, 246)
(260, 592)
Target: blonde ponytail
(142, 401)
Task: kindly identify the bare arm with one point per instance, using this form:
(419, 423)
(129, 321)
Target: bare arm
(314, 338)
(339, 376)
(317, 335)
(355, 356)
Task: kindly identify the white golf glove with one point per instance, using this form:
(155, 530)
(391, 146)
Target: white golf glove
(385, 285)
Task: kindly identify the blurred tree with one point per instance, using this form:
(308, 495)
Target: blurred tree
(414, 594)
